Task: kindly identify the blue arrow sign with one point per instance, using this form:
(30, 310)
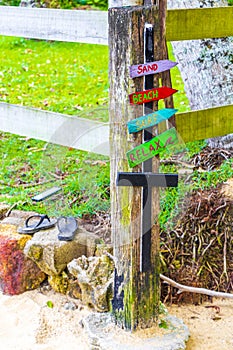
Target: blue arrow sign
(150, 119)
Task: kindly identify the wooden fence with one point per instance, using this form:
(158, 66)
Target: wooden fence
(92, 27)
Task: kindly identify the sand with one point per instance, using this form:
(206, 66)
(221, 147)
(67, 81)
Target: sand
(27, 323)
(210, 327)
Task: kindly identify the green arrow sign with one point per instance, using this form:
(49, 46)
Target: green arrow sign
(150, 148)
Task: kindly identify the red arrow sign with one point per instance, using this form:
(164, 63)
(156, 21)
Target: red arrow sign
(155, 94)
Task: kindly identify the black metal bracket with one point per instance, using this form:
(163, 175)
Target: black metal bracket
(147, 180)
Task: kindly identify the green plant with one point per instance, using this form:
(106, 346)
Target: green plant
(50, 304)
(60, 77)
(62, 4)
(163, 324)
(213, 178)
(102, 4)
(194, 147)
(9, 2)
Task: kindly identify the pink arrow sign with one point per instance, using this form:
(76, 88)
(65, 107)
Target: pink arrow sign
(155, 94)
(151, 68)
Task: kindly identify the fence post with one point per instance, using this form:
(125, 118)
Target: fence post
(136, 290)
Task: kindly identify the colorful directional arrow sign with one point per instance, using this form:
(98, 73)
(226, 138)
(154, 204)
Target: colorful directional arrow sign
(151, 68)
(150, 119)
(155, 94)
(152, 147)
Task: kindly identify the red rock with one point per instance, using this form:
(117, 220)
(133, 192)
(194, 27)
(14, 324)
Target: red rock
(17, 272)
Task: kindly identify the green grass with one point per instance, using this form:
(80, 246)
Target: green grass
(59, 77)
(29, 166)
(67, 78)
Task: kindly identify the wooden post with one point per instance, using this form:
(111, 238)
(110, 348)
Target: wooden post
(136, 287)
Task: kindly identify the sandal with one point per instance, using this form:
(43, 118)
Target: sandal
(43, 222)
(67, 226)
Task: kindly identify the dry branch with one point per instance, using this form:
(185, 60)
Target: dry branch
(182, 288)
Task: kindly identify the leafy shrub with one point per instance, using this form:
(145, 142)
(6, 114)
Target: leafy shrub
(102, 4)
(9, 2)
(61, 4)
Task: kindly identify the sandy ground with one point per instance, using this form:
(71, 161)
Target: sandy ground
(210, 324)
(27, 323)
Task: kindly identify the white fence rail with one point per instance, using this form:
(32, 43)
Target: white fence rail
(79, 133)
(50, 24)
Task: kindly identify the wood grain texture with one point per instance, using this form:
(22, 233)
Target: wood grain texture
(206, 123)
(191, 24)
(52, 24)
(136, 294)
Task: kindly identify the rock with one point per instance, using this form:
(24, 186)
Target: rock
(74, 290)
(227, 189)
(52, 255)
(17, 217)
(22, 214)
(12, 221)
(95, 277)
(70, 306)
(18, 273)
(103, 334)
(65, 284)
(103, 248)
(221, 142)
(59, 283)
(29, 3)
(3, 210)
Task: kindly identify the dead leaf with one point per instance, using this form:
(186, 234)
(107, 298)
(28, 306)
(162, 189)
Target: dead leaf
(216, 318)
(45, 103)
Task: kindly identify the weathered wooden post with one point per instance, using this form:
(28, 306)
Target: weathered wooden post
(135, 36)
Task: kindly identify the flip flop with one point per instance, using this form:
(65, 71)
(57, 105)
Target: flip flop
(42, 222)
(67, 226)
